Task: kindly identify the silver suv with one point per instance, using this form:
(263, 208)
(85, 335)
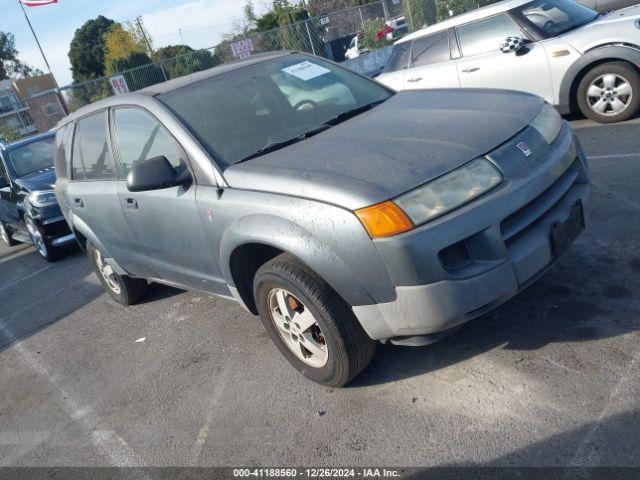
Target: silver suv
(571, 56)
(340, 212)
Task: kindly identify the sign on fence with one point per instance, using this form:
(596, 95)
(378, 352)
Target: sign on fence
(242, 48)
(119, 84)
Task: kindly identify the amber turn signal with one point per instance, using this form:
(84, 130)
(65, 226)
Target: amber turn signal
(384, 219)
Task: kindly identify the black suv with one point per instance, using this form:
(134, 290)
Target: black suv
(29, 211)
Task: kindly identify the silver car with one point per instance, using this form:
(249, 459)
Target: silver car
(569, 55)
(343, 214)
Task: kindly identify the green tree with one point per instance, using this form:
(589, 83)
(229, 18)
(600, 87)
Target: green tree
(135, 76)
(419, 13)
(8, 135)
(10, 65)
(87, 50)
(180, 60)
(370, 39)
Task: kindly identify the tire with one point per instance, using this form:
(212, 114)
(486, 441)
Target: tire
(344, 346)
(122, 288)
(6, 237)
(40, 242)
(623, 74)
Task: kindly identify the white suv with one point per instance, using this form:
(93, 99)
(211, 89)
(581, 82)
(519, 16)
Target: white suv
(566, 53)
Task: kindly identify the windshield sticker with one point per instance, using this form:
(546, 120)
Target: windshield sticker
(306, 70)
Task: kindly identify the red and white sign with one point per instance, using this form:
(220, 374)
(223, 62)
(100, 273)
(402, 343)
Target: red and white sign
(37, 3)
(119, 84)
(242, 48)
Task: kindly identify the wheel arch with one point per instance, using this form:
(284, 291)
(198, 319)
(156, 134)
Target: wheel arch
(254, 240)
(592, 58)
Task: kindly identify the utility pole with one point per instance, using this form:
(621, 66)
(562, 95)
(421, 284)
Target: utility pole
(144, 34)
(181, 37)
(35, 37)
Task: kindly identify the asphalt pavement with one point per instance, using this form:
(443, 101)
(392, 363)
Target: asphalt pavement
(548, 379)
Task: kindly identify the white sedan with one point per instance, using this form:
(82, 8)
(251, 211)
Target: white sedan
(568, 54)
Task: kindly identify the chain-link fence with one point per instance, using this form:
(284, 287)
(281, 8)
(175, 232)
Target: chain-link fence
(330, 35)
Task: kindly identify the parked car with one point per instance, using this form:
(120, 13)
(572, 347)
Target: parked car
(29, 211)
(393, 217)
(355, 48)
(400, 28)
(569, 55)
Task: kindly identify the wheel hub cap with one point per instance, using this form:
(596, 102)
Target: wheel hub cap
(107, 273)
(36, 238)
(609, 94)
(298, 328)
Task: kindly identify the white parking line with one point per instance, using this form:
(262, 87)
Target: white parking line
(15, 282)
(619, 155)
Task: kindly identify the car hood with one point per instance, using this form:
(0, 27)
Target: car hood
(410, 139)
(42, 180)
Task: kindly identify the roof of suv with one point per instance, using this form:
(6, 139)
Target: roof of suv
(26, 141)
(477, 14)
(174, 84)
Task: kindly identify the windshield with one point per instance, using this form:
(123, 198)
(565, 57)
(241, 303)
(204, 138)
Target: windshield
(33, 157)
(555, 17)
(246, 111)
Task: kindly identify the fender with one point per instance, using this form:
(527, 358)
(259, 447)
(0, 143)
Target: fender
(597, 54)
(287, 236)
(77, 225)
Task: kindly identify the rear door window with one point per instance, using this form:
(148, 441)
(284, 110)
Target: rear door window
(431, 49)
(92, 158)
(140, 136)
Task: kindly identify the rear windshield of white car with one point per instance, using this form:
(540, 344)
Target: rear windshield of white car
(555, 17)
(236, 115)
(399, 58)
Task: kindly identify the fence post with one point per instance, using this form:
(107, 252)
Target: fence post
(313, 48)
(386, 9)
(361, 18)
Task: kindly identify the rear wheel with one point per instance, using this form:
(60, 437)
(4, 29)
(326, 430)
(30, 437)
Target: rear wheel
(122, 288)
(43, 247)
(310, 324)
(6, 236)
(610, 92)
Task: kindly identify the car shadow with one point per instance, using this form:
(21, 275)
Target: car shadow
(587, 296)
(159, 292)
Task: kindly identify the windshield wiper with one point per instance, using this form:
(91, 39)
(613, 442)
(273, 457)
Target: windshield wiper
(273, 146)
(352, 113)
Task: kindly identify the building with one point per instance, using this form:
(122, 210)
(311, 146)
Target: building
(30, 105)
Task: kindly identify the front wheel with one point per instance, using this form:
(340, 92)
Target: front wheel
(39, 240)
(123, 289)
(610, 92)
(310, 324)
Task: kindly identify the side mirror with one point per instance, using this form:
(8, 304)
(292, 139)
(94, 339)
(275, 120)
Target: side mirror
(512, 44)
(155, 174)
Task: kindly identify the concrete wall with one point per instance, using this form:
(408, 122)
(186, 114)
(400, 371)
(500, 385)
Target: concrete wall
(370, 63)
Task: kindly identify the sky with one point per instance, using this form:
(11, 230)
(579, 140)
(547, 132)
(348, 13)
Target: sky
(203, 23)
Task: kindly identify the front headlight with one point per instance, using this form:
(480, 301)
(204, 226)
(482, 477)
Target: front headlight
(449, 191)
(548, 123)
(43, 198)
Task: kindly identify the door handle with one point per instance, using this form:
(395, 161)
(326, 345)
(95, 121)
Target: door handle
(471, 69)
(415, 79)
(132, 204)
(78, 202)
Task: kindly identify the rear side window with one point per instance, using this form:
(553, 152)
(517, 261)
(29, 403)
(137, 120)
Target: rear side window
(139, 136)
(91, 155)
(399, 59)
(431, 49)
(486, 35)
(62, 152)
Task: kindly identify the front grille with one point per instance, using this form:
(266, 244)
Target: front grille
(518, 223)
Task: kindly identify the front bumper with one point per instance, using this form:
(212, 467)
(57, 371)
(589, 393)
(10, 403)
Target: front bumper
(504, 240)
(53, 226)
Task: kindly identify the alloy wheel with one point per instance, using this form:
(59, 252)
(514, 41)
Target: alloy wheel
(609, 94)
(36, 238)
(107, 273)
(298, 328)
